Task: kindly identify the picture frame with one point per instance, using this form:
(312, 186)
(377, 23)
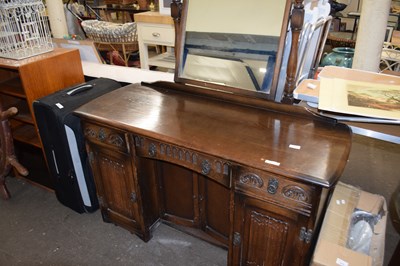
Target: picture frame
(87, 49)
(389, 34)
(165, 7)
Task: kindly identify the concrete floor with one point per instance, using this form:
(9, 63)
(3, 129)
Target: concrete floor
(37, 230)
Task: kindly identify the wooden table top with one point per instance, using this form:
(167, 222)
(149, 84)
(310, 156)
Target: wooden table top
(302, 148)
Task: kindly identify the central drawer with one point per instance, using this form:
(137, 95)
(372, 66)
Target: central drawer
(215, 168)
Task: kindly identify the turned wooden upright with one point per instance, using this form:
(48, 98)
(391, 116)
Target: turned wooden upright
(8, 159)
(296, 24)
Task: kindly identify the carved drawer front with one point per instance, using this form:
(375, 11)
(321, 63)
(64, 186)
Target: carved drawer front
(273, 188)
(213, 167)
(111, 138)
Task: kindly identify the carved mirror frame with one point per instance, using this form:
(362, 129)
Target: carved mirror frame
(294, 14)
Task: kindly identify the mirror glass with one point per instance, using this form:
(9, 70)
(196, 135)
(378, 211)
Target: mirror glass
(233, 44)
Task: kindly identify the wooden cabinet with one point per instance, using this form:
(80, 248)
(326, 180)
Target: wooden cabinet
(272, 219)
(23, 81)
(155, 29)
(263, 234)
(115, 170)
(227, 173)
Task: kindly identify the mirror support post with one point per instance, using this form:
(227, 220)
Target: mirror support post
(176, 14)
(296, 24)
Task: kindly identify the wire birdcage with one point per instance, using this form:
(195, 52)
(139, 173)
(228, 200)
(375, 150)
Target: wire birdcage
(24, 29)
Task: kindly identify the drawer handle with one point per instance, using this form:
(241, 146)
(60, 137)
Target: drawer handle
(272, 186)
(156, 34)
(101, 135)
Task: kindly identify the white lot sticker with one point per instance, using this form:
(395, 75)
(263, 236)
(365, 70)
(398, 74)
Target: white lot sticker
(340, 202)
(296, 147)
(311, 86)
(59, 105)
(341, 262)
(272, 162)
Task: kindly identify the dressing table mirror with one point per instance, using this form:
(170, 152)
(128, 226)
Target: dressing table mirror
(234, 46)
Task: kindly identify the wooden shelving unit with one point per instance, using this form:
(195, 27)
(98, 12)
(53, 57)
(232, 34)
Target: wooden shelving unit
(24, 81)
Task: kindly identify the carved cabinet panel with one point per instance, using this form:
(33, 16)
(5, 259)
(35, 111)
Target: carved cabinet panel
(115, 177)
(264, 234)
(118, 194)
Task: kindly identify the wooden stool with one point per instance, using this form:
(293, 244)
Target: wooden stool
(7, 155)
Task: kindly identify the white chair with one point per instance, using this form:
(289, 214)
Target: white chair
(390, 57)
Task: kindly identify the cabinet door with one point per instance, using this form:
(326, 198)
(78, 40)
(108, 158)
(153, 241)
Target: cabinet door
(264, 234)
(117, 191)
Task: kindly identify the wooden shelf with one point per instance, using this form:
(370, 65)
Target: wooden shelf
(23, 114)
(12, 87)
(24, 81)
(25, 133)
(166, 60)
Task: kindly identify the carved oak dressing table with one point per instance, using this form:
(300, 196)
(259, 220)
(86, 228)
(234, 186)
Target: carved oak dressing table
(237, 170)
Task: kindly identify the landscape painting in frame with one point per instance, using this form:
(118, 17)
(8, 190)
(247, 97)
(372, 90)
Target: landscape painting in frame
(367, 99)
(381, 99)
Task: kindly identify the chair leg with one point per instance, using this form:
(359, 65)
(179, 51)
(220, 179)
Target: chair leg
(3, 188)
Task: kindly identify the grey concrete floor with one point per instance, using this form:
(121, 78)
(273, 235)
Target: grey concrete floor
(37, 230)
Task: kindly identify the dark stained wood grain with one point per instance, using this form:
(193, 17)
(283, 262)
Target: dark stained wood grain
(247, 136)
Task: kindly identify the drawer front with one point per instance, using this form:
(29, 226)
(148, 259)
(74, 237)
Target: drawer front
(275, 189)
(105, 136)
(215, 168)
(157, 34)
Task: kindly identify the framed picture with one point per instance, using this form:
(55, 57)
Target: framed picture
(165, 7)
(87, 49)
(388, 34)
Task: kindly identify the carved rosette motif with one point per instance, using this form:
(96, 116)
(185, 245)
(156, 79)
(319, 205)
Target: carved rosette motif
(205, 167)
(152, 150)
(295, 193)
(116, 140)
(90, 132)
(103, 135)
(251, 180)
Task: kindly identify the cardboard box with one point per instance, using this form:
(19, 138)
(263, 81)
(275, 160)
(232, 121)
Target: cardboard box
(331, 248)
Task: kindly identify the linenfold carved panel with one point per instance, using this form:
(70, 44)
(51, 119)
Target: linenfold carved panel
(116, 171)
(271, 231)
